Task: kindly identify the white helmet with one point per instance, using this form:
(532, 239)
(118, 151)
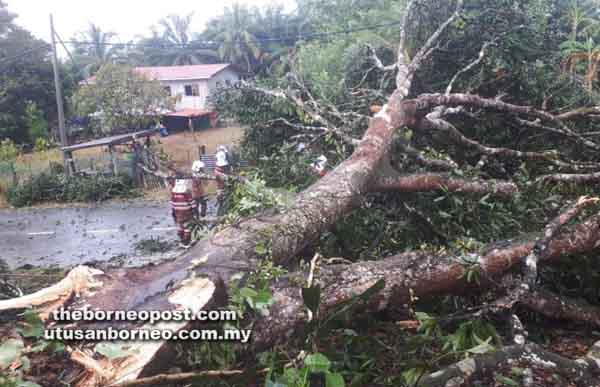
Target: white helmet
(221, 157)
(197, 166)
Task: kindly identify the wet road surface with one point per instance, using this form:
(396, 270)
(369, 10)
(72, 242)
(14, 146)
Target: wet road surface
(70, 236)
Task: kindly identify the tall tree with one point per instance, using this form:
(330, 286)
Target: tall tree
(172, 42)
(25, 77)
(96, 48)
(234, 34)
(122, 99)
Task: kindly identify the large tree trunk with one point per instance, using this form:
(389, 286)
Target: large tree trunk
(418, 275)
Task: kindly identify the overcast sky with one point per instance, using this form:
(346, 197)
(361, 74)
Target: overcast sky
(127, 18)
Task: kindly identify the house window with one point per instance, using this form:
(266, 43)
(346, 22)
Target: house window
(168, 90)
(192, 90)
(228, 83)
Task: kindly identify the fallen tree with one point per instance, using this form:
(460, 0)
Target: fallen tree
(200, 278)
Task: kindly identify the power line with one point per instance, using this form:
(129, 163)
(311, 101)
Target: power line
(71, 57)
(206, 43)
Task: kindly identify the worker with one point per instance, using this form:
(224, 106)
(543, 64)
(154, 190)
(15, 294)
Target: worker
(222, 167)
(222, 170)
(197, 188)
(320, 165)
(183, 208)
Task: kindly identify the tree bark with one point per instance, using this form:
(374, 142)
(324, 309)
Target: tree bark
(420, 275)
(585, 371)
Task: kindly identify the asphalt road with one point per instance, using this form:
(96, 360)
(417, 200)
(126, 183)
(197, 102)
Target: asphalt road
(70, 236)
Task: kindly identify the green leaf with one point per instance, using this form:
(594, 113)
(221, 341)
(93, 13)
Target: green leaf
(10, 350)
(33, 325)
(312, 298)
(506, 381)
(412, 375)
(260, 249)
(248, 293)
(483, 347)
(111, 350)
(317, 362)
(334, 380)
(40, 346)
(25, 383)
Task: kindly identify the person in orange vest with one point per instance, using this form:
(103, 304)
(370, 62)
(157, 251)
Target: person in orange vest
(198, 193)
(183, 208)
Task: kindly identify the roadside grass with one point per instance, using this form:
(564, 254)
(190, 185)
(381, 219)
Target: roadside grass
(182, 148)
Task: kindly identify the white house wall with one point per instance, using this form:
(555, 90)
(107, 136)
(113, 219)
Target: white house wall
(188, 102)
(204, 89)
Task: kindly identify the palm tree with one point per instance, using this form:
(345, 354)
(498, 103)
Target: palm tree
(95, 48)
(233, 33)
(179, 47)
(580, 20)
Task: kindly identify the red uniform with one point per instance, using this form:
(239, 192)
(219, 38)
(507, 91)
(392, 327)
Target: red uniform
(183, 207)
(221, 175)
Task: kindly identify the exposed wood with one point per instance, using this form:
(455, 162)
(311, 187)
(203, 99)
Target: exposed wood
(79, 282)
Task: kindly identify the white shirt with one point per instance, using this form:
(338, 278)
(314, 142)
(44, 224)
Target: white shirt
(221, 159)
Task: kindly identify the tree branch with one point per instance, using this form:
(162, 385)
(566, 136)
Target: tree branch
(414, 274)
(583, 371)
(541, 246)
(423, 182)
(184, 377)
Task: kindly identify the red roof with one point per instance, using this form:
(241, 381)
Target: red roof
(173, 73)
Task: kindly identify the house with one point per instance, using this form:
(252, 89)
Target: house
(192, 85)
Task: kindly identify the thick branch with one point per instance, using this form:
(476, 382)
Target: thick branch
(582, 371)
(583, 178)
(541, 246)
(410, 275)
(423, 182)
(560, 307)
(185, 377)
(577, 113)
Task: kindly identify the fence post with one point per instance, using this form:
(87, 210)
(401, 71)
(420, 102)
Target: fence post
(134, 166)
(113, 160)
(15, 178)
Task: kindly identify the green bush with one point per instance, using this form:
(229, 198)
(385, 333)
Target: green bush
(8, 150)
(55, 186)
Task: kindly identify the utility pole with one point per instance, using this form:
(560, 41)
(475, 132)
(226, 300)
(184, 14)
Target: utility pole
(59, 98)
